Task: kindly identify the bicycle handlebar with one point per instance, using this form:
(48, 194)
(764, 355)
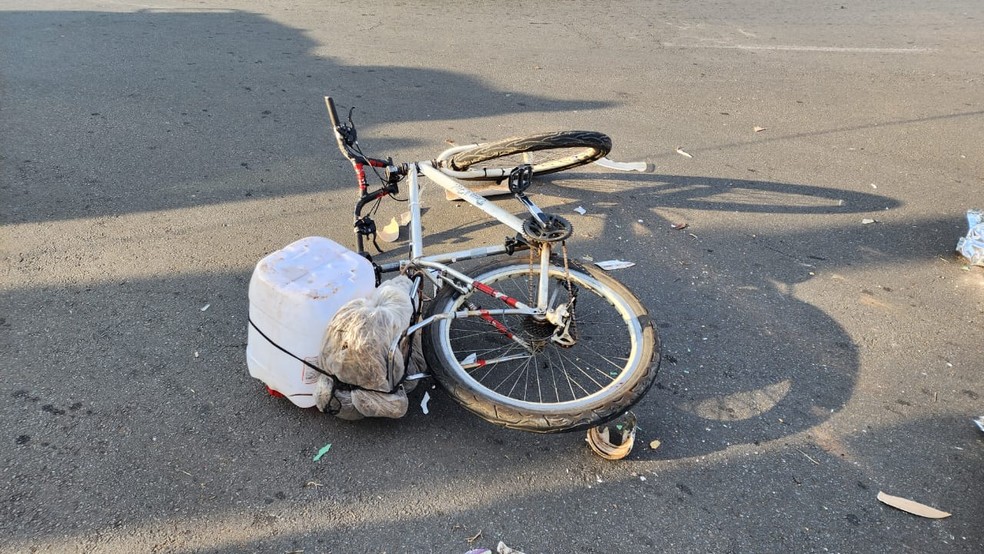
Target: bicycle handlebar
(337, 127)
(346, 138)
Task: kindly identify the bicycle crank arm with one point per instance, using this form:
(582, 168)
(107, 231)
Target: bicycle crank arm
(534, 210)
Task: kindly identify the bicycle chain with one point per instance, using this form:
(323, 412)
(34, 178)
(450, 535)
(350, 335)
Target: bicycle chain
(529, 281)
(570, 287)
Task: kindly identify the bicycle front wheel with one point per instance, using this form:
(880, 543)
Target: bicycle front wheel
(545, 388)
(547, 153)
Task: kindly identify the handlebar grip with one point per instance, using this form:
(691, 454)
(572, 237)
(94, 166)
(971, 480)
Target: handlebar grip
(331, 111)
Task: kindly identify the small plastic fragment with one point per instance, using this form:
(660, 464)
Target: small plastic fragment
(680, 151)
(580, 210)
(205, 307)
(324, 450)
(867, 221)
(653, 445)
(423, 403)
(390, 232)
(911, 507)
(972, 245)
(758, 129)
(501, 548)
(609, 265)
(979, 422)
(680, 226)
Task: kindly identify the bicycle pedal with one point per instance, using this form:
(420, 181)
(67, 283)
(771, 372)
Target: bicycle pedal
(486, 190)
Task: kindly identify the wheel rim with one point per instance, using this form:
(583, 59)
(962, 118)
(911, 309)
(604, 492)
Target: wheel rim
(606, 355)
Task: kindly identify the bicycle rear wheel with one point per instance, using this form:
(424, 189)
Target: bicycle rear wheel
(547, 153)
(552, 388)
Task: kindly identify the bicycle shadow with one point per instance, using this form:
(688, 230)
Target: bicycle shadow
(747, 357)
(715, 193)
(602, 192)
(746, 360)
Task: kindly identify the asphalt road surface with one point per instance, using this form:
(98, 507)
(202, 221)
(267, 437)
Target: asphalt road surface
(151, 154)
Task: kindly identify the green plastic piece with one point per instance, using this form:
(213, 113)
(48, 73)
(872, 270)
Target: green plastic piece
(324, 450)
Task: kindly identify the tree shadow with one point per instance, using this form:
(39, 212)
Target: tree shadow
(113, 113)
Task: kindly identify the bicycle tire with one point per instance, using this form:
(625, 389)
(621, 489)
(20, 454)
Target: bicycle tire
(443, 348)
(556, 151)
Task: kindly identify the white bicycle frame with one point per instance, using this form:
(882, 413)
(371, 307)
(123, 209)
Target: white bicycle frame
(435, 269)
(436, 262)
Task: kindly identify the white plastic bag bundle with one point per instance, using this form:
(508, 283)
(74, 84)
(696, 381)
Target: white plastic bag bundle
(356, 351)
(972, 246)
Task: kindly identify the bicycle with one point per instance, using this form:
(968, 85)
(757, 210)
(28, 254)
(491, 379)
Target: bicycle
(562, 346)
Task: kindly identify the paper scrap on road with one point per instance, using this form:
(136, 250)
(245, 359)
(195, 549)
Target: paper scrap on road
(867, 221)
(679, 150)
(609, 265)
(423, 403)
(758, 129)
(205, 307)
(580, 210)
(641, 167)
(911, 507)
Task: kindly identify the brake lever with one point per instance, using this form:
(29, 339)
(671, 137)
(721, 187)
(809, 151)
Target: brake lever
(351, 124)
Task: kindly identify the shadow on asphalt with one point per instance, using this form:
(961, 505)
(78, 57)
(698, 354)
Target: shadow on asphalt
(114, 113)
(184, 433)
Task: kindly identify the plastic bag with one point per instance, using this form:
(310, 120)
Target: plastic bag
(972, 246)
(356, 352)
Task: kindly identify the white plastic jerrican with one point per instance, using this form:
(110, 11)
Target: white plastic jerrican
(293, 294)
